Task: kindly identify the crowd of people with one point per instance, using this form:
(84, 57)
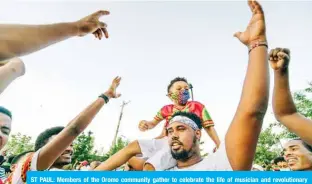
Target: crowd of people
(177, 148)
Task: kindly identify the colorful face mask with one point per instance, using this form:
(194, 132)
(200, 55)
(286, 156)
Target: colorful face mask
(181, 97)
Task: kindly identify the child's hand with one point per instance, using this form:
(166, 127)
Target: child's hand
(215, 149)
(143, 125)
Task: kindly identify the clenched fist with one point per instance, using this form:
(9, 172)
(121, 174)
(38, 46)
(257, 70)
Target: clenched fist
(143, 125)
(279, 58)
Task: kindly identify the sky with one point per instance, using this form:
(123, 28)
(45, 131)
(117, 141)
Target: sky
(150, 43)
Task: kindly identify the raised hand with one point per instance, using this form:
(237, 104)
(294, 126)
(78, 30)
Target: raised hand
(111, 92)
(279, 58)
(255, 30)
(91, 24)
(143, 125)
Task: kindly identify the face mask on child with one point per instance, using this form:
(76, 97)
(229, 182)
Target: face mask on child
(181, 97)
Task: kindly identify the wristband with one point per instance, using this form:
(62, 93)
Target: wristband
(257, 44)
(106, 99)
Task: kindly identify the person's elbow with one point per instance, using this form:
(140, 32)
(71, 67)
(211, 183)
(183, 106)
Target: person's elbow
(4, 57)
(5, 53)
(281, 115)
(256, 111)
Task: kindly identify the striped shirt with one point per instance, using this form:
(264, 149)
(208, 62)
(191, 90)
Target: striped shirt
(2, 174)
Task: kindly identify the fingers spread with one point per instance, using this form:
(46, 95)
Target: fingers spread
(100, 13)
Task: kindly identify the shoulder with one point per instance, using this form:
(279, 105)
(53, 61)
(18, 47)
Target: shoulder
(196, 104)
(168, 106)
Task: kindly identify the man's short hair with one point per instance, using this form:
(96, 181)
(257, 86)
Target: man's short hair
(306, 145)
(279, 159)
(5, 111)
(177, 79)
(191, 116)
(43, 138)
(19, 156)
(10, 158)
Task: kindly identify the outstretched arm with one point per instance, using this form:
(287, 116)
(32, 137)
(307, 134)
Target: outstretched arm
(283, 105)
(51, 151)
(146, 125)
(212, 133)
(18, 40)
(242, 136)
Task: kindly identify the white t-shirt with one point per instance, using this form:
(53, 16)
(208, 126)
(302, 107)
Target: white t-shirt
(217, 161)
(56, 169)
(29, 162)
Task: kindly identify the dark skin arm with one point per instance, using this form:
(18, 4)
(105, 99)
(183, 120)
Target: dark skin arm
(242, 136)
(54, 148)
(18, 40)
(284, 107)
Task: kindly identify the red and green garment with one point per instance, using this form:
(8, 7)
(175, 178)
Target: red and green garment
(194, 107)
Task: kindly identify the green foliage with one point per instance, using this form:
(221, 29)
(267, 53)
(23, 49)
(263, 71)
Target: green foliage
(121, 143)
(83, 147)
(19, 143)
(268, 146)
(303, 101)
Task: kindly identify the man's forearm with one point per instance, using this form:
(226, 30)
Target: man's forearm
(255, 93)
(242, 136)
(285, 110)
(283, 103)
(18, 40)
(56, 147)
(85, 117)
(213, 135)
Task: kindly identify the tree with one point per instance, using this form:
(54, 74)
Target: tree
(268, 146)
(18, 143)
(121, 143)
(303, 104)
(83, 147)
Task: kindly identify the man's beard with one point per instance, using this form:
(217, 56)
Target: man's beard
(184, 155)
(60, 163)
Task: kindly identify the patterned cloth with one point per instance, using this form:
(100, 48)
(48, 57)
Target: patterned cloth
(28, 163)
(2, 174)
(191, 106)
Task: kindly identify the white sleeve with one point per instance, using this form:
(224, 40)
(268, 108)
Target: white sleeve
(19, 174)
(219, 161)
(162, 159)
(34, 160)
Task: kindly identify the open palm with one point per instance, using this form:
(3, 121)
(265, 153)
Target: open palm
(255, 30)
(111, 92)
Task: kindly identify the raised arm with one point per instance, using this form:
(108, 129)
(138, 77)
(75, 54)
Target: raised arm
(58, 145)
(283, 105)
(146, 125)
(18, 40)
(242, 136)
